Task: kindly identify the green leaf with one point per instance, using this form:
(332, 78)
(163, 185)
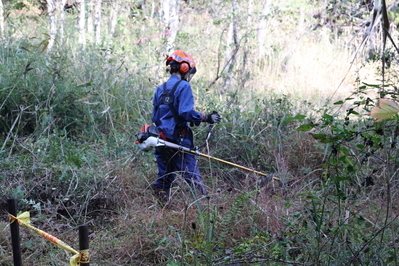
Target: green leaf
(343, 149)
(297, 117)
(353, 112)
(323, 138)
(371, 85)
(305, 127)
(342, 178)
(330, 117)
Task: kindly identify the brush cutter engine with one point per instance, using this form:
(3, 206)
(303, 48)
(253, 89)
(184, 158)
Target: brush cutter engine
(147, 138)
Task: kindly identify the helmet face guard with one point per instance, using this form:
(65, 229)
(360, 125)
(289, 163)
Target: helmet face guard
(185, 64)
(189, 75)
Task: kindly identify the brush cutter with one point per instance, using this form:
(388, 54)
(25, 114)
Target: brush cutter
(148, 138)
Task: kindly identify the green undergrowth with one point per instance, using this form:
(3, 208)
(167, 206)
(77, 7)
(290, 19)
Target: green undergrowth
(80, 166)
(68, 156)
(326, 182)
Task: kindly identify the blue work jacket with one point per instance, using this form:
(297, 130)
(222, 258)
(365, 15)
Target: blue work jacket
(183, 103)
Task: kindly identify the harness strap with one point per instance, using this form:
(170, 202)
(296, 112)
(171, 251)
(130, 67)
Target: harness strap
(170, 101)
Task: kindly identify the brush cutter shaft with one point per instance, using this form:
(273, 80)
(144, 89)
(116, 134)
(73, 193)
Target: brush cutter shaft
(232, 164)
(172, 145)
(185, 149)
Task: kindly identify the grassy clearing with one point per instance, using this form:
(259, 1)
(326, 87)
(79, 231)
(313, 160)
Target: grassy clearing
(67, 149)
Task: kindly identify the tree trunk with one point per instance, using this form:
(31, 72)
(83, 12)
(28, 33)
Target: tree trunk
(262, 26)
(170, 13)
(1, 20)
(115, 6)
(60, 10)
(82, 23)
(90, 20)
(250, 13)
(152, 9)
(53, 25)
(231, 50)
(97, 21)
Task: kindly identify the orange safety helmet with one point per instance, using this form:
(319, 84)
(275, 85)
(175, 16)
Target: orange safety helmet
(187, 64)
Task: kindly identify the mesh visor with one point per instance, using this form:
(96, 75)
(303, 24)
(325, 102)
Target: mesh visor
(193, 71)
(190, 74)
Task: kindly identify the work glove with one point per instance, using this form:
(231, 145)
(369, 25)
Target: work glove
(212, 118)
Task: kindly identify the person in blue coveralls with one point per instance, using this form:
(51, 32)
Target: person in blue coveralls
(173, 113)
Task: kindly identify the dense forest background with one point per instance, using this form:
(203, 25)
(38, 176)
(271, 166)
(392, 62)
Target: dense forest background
(294, 81)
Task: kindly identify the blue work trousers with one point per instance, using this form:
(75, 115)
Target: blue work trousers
(171, 162)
